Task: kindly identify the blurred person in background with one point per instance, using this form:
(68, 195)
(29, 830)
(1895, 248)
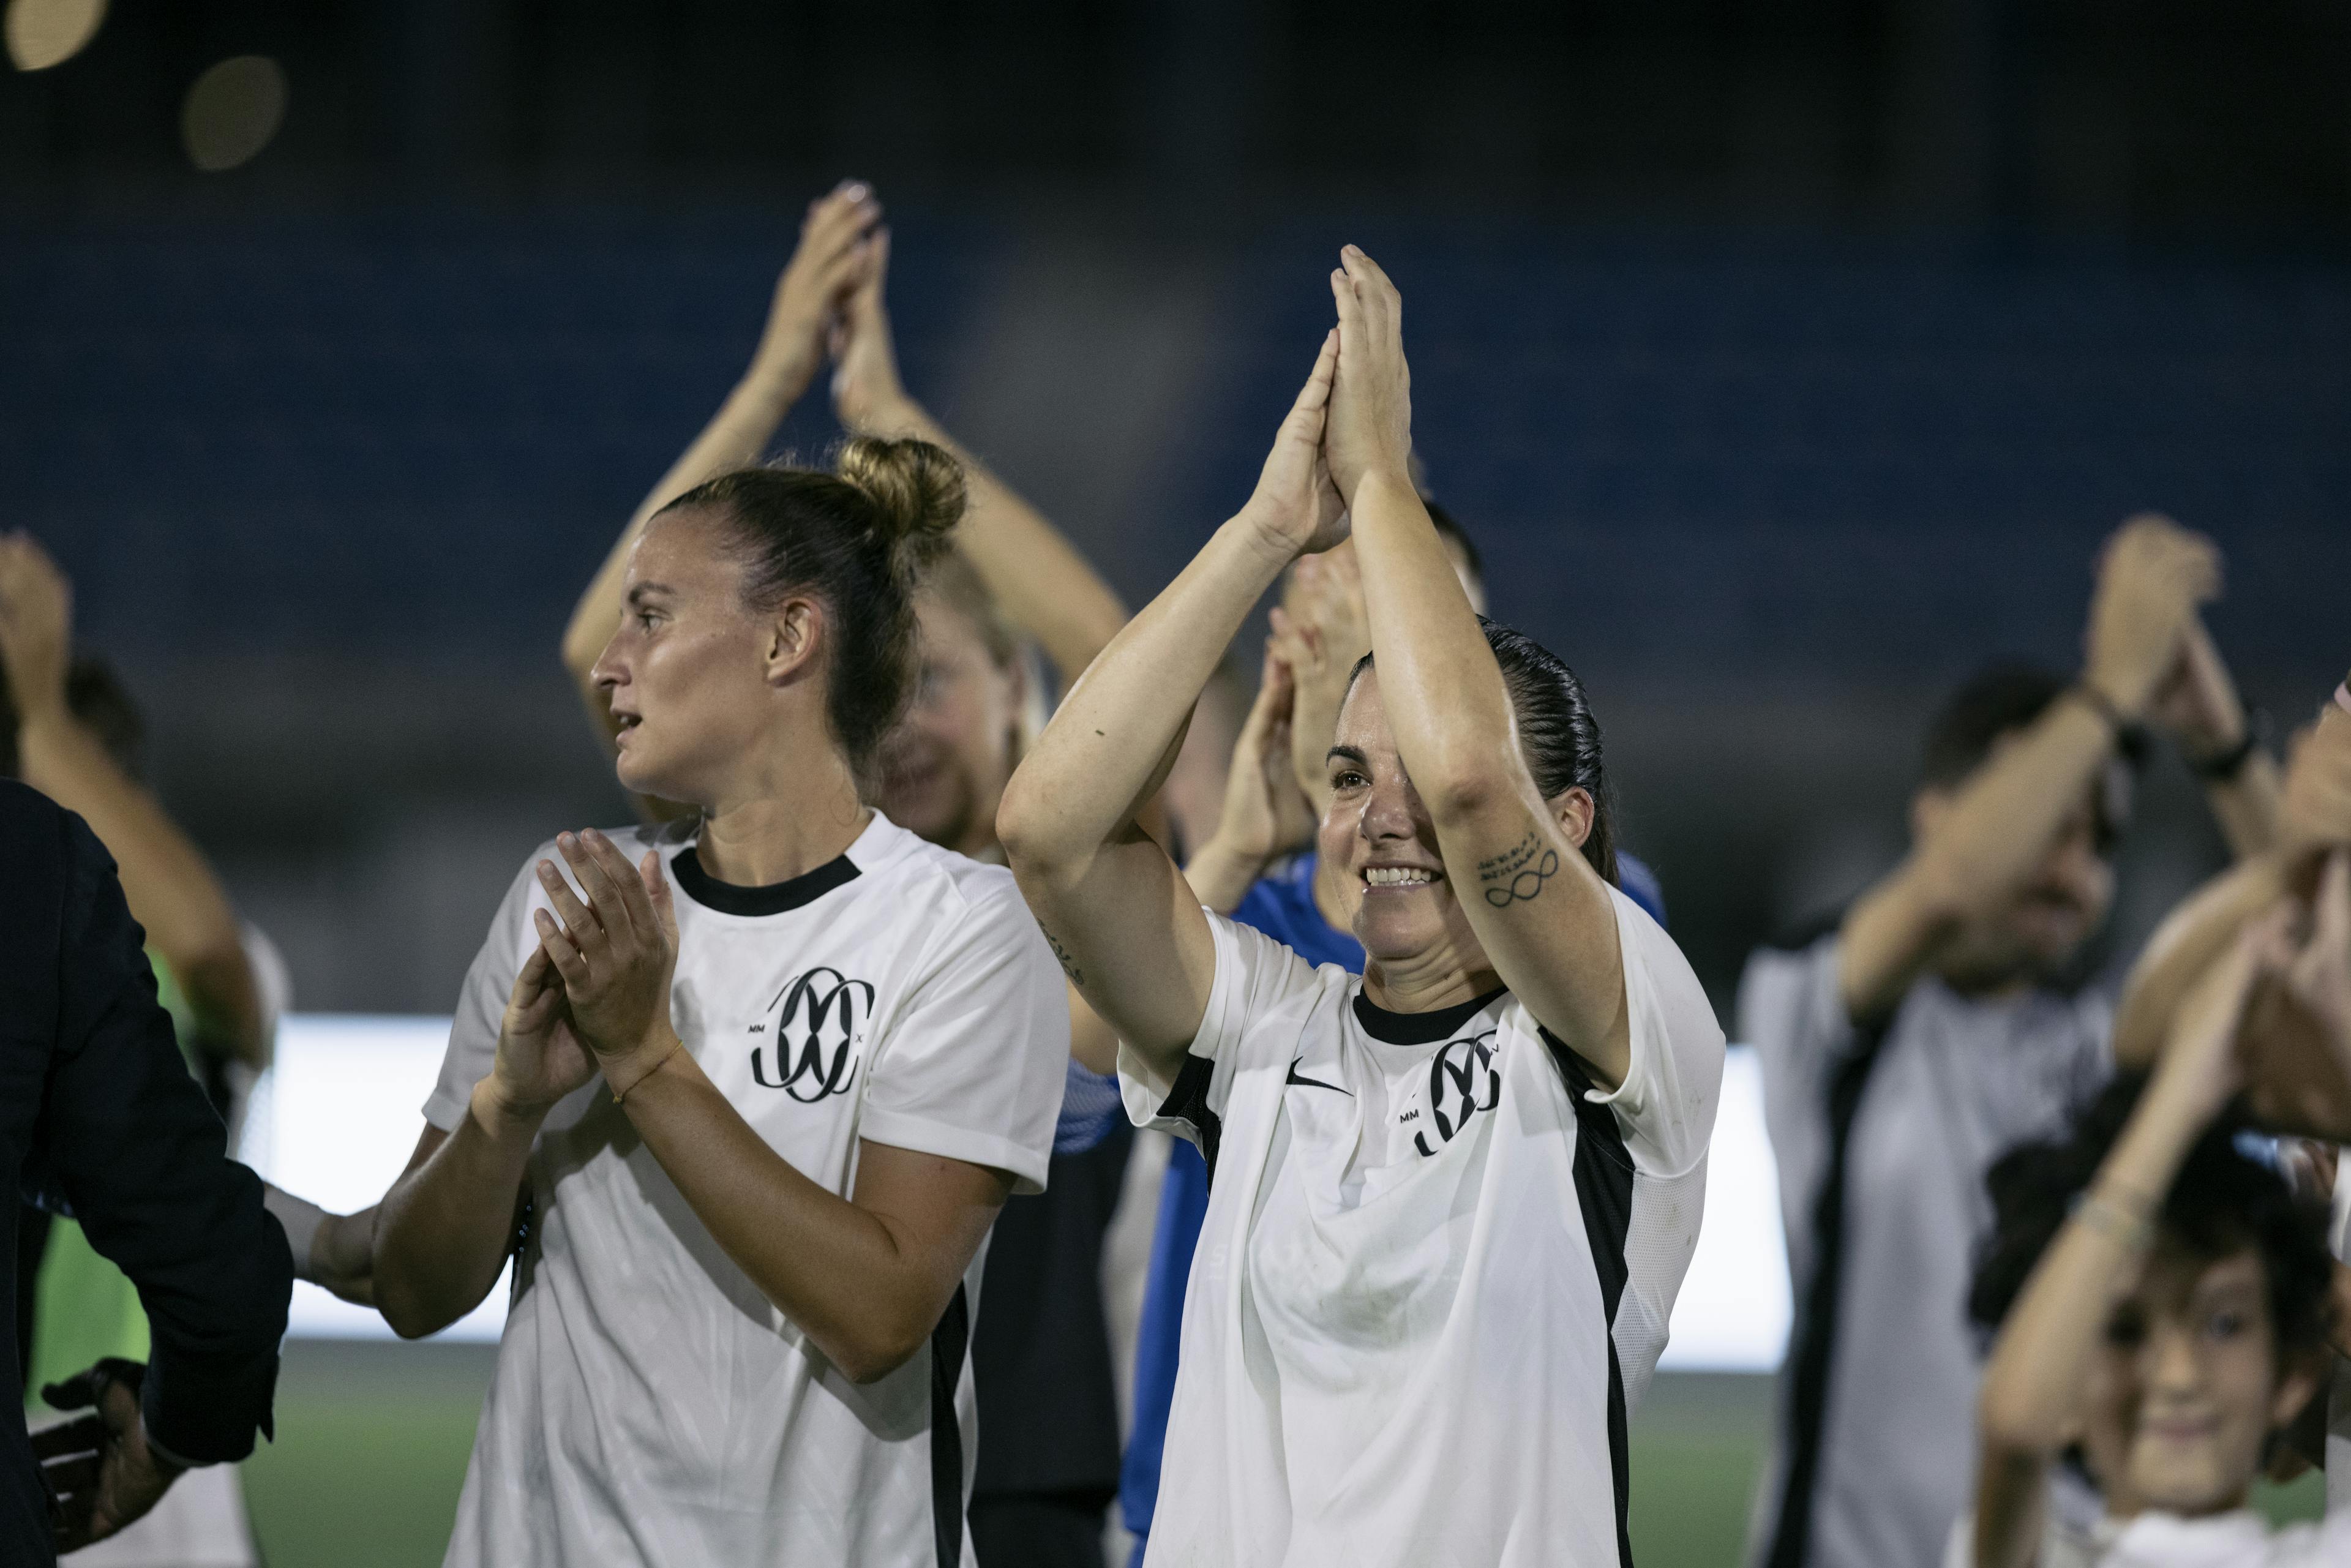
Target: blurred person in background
(1932, 1030)
(101, 1117)
(1048, 1463)
(2290, 1084)
(1260, 866)
(1405, 1342)
(72, 732)
(745, 1138)
(2164, 1296)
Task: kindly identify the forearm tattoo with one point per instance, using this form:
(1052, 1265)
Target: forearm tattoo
(1518, 873)
(1068, 964)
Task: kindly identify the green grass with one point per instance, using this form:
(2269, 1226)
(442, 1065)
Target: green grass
(372, 1446)
(372, 1440)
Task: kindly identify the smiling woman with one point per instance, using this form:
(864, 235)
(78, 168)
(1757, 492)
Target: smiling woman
(1403, 1341)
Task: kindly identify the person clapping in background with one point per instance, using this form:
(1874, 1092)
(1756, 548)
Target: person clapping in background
(2167, 1306)
(1933, 1029)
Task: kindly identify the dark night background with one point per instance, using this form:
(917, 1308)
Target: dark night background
(1786, 360)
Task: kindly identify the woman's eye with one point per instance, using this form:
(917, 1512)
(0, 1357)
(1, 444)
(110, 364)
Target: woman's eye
(2225, 1326)
(2126, 1333)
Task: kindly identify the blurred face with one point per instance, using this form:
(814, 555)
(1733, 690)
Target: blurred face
(689, 673)
(2185, 1387)
(2060, 906)
(945, 768)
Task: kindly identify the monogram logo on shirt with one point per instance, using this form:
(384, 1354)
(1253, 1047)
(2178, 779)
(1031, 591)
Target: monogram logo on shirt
(1462, 1080)
(819, 1019)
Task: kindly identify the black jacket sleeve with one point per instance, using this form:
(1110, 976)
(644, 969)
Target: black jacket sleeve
(128, 1140)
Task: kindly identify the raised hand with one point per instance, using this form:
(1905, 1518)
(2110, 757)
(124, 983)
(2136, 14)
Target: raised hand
(2298, 1029)
(1264, 811)
(2151, 579)
(100, 1470)
(2316, 809)
(2197, 703)
(1295, 508)
(615, 954)
(540, 1056)
(36, 626)
(867, 396)
(1370, 425)
(1319, 631)
(833, 254)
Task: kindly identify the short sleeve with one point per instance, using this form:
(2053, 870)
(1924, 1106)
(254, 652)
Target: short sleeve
(1792, 1009)
(974, 1064)
(1673, 1081)
(1255, 975)
(482, 1004)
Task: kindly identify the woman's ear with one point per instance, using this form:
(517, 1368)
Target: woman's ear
(1573, 813)
(794, 635)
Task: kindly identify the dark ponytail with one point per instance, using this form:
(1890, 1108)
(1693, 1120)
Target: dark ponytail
(859, 538)
(1557, 733)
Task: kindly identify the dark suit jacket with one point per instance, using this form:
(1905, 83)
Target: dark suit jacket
(99, 1118)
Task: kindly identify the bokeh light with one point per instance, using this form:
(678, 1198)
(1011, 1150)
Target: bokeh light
(233, 110)
(44, 33)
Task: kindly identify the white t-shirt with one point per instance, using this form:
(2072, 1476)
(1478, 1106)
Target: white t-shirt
(2239, 1540)
(651, 1406)
(1436, 1270)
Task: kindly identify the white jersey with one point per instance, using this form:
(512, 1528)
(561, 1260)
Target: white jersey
(1437, 1267)
(2239, 1540)
(651, 1406)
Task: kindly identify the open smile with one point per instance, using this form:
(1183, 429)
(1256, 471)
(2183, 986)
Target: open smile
(1394, 878)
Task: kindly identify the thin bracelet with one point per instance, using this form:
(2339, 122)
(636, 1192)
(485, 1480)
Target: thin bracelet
(620, 1094)
(2227, 763)
(2115, 1222)
(2104, 706)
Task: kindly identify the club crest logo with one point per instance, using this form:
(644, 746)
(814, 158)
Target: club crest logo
(1464, 1077)
(819, 1026)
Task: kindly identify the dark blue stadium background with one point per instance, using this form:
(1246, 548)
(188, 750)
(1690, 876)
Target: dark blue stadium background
(1783, 363)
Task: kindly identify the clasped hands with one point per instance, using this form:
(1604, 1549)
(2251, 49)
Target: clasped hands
(1351, 425)
(594, 996)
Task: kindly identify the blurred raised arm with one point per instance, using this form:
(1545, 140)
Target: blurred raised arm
(2314, 816)
(834, 247)
(2198, 708)
(2028, 1408)
(172, 890)
(2006, 818)
(1125, 924)
(1043, 585)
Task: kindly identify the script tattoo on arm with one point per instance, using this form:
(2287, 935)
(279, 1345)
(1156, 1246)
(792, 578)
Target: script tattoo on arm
(1068, 964)
(1519, 872)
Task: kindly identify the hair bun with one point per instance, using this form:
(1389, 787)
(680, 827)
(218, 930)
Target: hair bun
(916, 491)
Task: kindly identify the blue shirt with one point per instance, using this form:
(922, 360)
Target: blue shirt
(1281, 904)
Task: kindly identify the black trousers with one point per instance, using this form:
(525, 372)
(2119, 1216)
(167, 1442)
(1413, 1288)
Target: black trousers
(1039, 1530)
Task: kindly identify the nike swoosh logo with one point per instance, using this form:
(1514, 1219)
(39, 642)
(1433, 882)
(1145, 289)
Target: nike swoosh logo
(1313, 1082)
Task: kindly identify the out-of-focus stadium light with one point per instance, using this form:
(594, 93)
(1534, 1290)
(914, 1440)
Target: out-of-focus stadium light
(44, 33)
(336, 1119)
(232, 111)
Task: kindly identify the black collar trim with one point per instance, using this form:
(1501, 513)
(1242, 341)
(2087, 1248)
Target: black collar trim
(1420, 1029)
(730, 898)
